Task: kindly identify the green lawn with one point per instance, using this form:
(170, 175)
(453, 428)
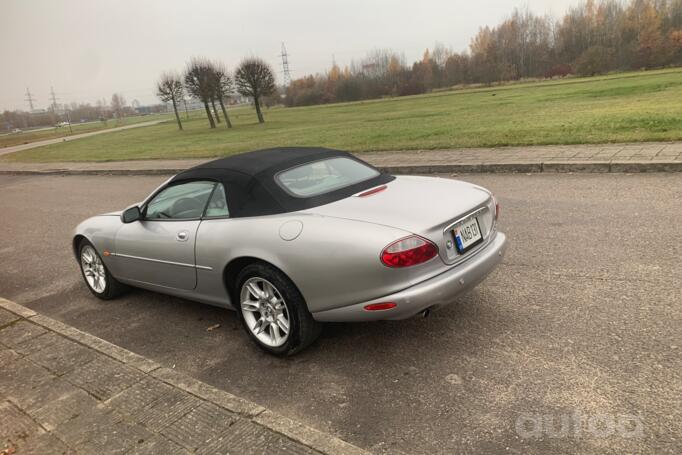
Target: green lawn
(642, 106)
(41, 134)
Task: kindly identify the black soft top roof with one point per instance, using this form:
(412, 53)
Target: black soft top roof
(249, 180)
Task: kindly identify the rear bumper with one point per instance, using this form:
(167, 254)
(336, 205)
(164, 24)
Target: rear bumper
(430, 294)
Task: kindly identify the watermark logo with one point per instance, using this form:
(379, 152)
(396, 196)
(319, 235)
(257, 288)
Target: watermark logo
(579, 425)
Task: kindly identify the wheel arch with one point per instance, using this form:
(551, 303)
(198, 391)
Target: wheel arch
(77, 239)
(236, 265)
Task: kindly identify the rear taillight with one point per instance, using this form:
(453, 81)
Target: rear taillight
(497, 208)
(409, 251)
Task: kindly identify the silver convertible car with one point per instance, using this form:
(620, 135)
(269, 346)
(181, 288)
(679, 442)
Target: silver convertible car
(292, 237)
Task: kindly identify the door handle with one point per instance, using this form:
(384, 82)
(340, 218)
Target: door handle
(182, 236)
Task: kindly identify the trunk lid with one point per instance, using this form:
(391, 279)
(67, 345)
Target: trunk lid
(421, 205)
(412, 203)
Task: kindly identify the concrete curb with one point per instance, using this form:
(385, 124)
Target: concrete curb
(298, 432)
(455, 168)
(537, 167)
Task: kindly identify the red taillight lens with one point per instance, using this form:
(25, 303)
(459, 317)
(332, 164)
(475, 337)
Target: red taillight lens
(380, 306)
(409, 251)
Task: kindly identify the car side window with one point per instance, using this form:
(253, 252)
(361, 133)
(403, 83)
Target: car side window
(180, 202)
(217, 205)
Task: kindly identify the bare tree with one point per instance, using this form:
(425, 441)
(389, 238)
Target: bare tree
(213, 96)
(118, 104)
(169, 88)
(214, 81)
(199, 83)
(215, 109)
(254, 78)
(223, 88)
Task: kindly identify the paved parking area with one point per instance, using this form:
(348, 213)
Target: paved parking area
(578, 329)
(64, 391)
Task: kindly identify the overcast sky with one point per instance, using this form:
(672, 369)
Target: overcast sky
(88, 49)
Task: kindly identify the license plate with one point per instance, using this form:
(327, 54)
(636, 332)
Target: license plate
(467, 235)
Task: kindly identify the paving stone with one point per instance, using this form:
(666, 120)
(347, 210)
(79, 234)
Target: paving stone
(226, 400)
(86, 426)
(16, 308)
(19, 332)
(22, 377)
(7, 356)
(43, 392)
(15, 425)
(308, 436)
(118, 438)
(43, 443)
(158, 445)
(203, 425)
(68, 406)
(139, 396)
(63, 356)
(53, 387)
(246, 438)
(104, 377)
(38, 343)
(167, 410)
(153, 404)
(6, 317)
(98, 344)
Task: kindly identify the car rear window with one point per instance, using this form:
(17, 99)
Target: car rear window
(319, 177)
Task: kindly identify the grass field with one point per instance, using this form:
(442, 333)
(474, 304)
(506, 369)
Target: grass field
(629, 107)
(41, 134)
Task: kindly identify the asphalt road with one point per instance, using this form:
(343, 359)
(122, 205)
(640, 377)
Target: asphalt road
(583, 320)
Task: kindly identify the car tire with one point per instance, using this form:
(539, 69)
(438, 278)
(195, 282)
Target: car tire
(302, 328)
(111, 288)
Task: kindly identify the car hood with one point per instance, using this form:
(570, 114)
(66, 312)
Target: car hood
(412, 203)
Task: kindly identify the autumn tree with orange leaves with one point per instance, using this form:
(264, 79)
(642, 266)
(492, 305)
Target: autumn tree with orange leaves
(591, 38)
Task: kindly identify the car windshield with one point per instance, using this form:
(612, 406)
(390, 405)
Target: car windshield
(319, 177)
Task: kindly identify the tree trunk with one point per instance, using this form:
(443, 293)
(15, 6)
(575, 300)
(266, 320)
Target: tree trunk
(256, 101)
(184, 101)
(227, 119)
(217, 117)
(208, 114)
(177, 116)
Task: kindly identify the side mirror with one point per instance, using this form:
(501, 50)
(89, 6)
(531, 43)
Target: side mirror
(131, 214)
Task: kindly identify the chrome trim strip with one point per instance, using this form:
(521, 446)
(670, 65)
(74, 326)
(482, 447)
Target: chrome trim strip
(487, 238)
(465, 217)
(161, 261)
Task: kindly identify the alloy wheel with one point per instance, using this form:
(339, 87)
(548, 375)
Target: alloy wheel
(265, 312)
(93, 269)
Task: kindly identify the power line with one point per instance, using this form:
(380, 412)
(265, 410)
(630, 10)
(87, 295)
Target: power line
(29, 98)
(285, 65)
